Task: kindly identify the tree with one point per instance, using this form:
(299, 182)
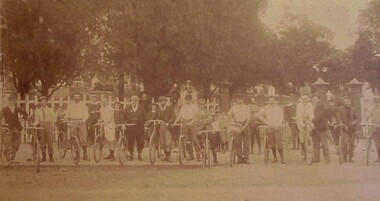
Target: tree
(42, 38)
(366, 50)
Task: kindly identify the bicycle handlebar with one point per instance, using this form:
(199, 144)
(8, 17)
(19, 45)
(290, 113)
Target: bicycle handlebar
(235, 125)
(35, 128)
(154, 122)
(121, 125)
(337, 125)
(370, 124)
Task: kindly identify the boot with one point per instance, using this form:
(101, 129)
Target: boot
(112, 156)
(51, 159)
(303, 149)
(215, 158)
(85, 157)
(169, 159)
(274, 155)
(109, 156)
(43, 156)
(245, 160)
(166, 156)
(139, 157)
(378, 156)
(199, 157)
(130, 157)
(281, 152)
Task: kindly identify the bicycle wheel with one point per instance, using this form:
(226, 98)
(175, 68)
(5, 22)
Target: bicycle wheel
(182, 150)
(232, 151)
(208, 148)
(36, 155)
(152, 148)
(368, 150)
(62, 144)
(75, 149)
(340, 150)
(1, 145)
(266, 150)
(98, 148)
(309, 151)
(122, 150)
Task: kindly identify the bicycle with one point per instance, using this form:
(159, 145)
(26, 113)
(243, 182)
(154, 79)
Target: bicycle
(98, 142)
(232, 142)
(309, 154)
(182, 153)
(154, 146)
(368, 130)
(4, 131)
(69, 141)
(35, 146)
(263, 130)
(122, 143)
(288, 135)
(338, 147)
(206, 162)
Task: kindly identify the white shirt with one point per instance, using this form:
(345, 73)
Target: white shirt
(77, 111)
(240, 113)
(304, 112)
(273, 115)
(107, 114)
(187, 111)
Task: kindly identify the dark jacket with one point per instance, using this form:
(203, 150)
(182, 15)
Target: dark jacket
(12, 118)
(167, 114)
(321, 116)
(290, 113)
(137, 117)
(348, 117)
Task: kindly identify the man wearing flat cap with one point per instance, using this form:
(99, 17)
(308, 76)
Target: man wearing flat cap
(45, 118)
(94, 116)
(12, 141)
(165, 114)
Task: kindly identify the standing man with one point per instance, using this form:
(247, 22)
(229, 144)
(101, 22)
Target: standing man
(304, 117)
(241, 114)
(272, 115)
(107, 117)
(186, 116)
(165, 114)
(94, 116)
(254, 123)
(12, 141)
(135, 114)
(290, 118)
(374, 118)
(78, 112)
(319, 135)
(45, 118)
(349, 118)
(203, 120)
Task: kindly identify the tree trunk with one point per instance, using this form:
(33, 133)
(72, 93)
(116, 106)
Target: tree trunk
(120, 86)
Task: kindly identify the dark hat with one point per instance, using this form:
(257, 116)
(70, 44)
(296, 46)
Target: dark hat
(188, 97)
(315, 95)
(93, 94)
(11, 97)
(162, 98)
(76, 93)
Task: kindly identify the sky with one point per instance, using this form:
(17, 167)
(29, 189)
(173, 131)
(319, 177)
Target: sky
(340, 16)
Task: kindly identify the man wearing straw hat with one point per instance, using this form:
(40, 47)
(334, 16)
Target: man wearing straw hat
(45, 118)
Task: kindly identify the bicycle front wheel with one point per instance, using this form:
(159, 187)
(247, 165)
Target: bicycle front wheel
(98, 148)
(182, 150)
(75, 149)
(368, 150)
(232, 151)
(340, 150)
(36, 155)
(152, 148)
(122, 150)
(62, 144)
(266, 150)
(208, 153)
(309, 151)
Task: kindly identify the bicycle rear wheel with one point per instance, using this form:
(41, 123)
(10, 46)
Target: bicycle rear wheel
(182, 150)
(62, 144)
(266, 150)
(75, 149)
(340, 150)
(309, 151)
(232, 151)
(122, 150)
(98, 148)
(36, 155)
(368, 150)
(208, 151)
(152, 148)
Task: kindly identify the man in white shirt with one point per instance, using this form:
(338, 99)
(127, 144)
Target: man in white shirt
(107, 117)
(304, 116)
(241, 114)
(78, 111)
(186, 116)
(272, 115)
(45, 118)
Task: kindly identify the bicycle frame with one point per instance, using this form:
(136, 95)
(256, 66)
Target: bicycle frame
(4, 131)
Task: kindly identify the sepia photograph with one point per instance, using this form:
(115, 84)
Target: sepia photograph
(193, 100)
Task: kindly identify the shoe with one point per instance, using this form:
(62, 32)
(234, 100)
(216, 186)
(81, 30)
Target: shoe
(164, 159)
(239, 161)
(199, 158)
(169, 160)
(130, 158)
(108, 157)
(190, 158)
(43, 160)
(350, 160)
(274, 160)
(377, 161)
(112, 158)
(7, 164)
(246, 161)
(315, 161)
(294, 148)
(85, 158)
(51, 160)
(139, 158)
(283, 161)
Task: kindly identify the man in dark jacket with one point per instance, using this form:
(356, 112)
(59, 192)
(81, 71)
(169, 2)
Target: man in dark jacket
(166, 114)
(94, 116)
(13, 139)
(348, 118)
(319, 135)
(135, 114)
